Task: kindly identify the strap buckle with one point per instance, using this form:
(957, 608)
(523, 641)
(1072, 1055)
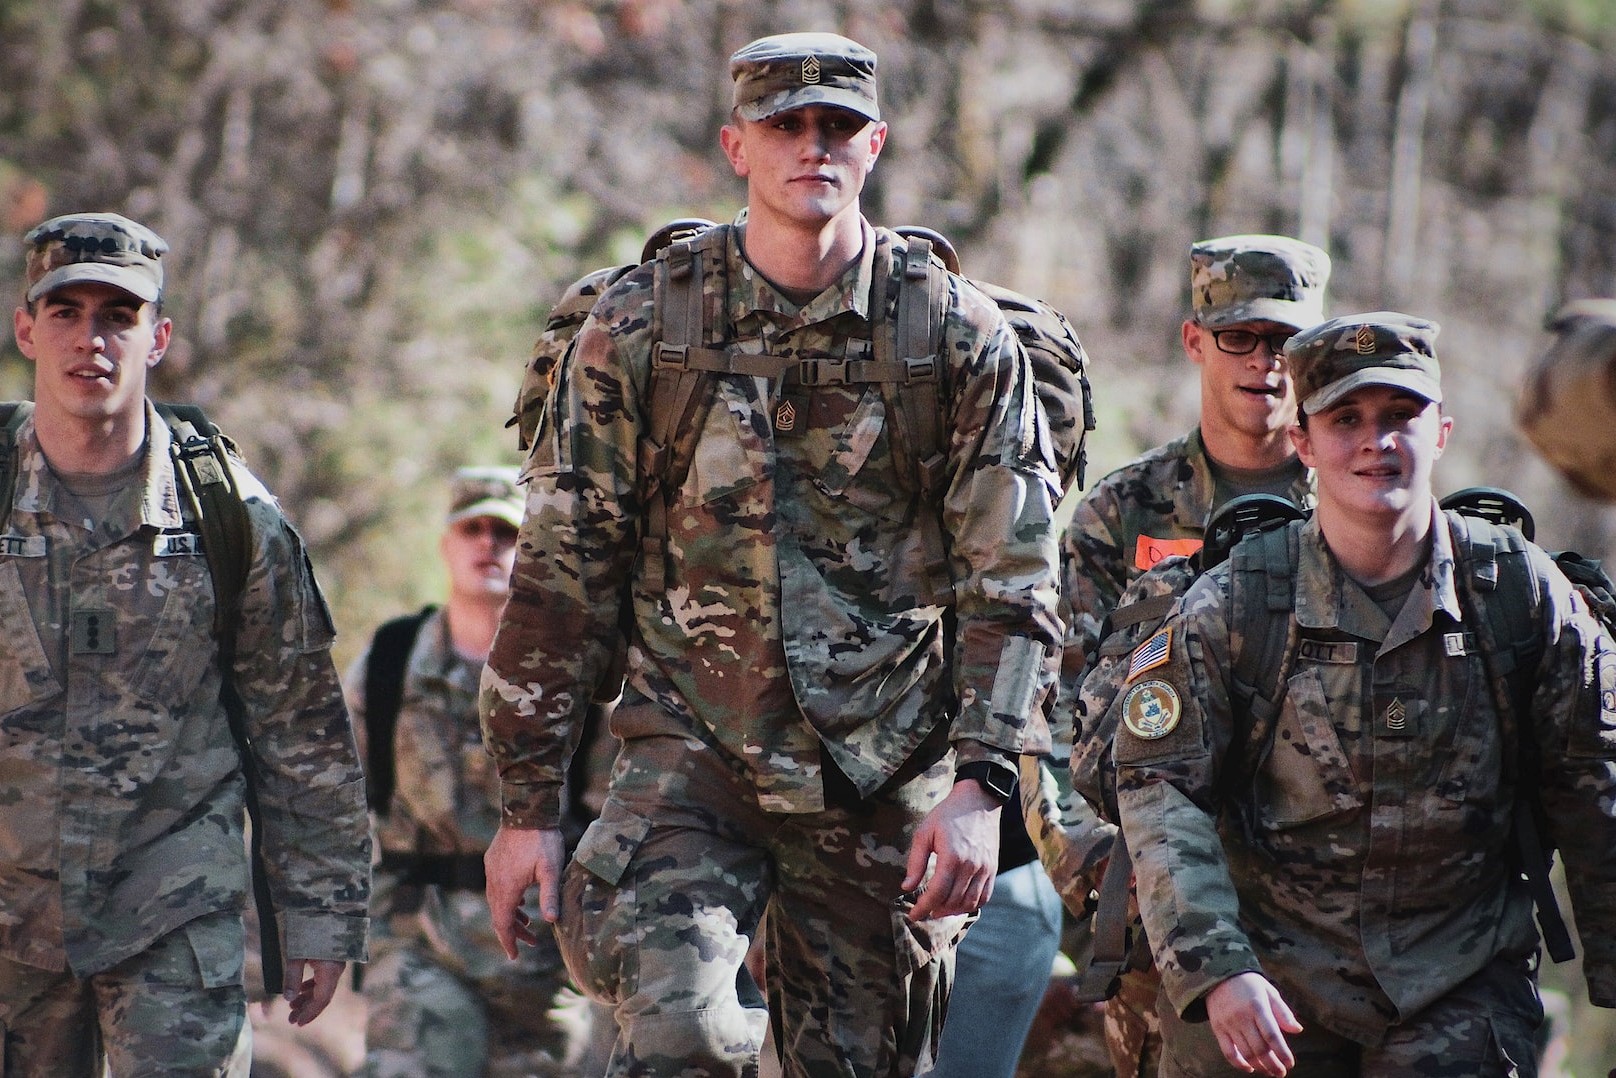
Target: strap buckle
(822, 372)
(919, 369)
(671, 356)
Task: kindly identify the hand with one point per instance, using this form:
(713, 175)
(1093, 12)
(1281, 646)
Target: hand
(516, 860)
(1247, 1014)
(308, 997)
(963, 834)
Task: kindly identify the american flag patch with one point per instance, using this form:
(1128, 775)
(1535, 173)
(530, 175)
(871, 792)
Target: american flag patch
(1151, 654)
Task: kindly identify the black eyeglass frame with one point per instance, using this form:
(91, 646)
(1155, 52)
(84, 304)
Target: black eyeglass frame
(1276, 340)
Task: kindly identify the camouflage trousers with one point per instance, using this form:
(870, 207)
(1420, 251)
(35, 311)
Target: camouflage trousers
(178, 1010)
(425, 1020)
(1132, 1025)
(669, 884)
(1487, 1027)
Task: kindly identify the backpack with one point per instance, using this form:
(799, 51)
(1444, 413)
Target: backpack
(1495, 583)
(209, 498)
(390, 649)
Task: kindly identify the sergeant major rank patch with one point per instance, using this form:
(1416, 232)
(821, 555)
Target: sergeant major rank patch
(1152, 653)
(1150, 710)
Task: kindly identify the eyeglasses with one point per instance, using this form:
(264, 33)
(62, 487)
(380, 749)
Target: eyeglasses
(1240, 342)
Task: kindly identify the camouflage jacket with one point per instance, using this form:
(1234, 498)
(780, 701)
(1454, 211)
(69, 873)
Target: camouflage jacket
(123, 789)
(792, 615)
(1364, 868)
(1134, 517)
(445, 801)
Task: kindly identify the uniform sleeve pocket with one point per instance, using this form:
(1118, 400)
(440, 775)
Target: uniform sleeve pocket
(608, 845)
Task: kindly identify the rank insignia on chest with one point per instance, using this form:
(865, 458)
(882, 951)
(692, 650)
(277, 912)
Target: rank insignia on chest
(785, 417)
(91, 632)
(1152, 653)
(1151, 709)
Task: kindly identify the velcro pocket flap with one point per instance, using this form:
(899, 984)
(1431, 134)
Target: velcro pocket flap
(608, 845)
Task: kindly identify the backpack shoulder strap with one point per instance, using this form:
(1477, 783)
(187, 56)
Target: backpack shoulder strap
(390, 649)
(1263, 594)
(208, 493)
(1499, 586)
(12, 414)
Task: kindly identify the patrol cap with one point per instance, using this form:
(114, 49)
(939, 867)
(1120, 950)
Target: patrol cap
(1257, 278)
(787, 71)
(487, 491)
(103, 247)
(1381, 348)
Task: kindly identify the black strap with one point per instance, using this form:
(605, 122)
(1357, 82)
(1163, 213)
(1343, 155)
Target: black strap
(452, 871)
(390, 649)
(12, 414)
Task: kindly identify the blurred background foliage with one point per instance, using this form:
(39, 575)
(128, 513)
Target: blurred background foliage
(372, 203)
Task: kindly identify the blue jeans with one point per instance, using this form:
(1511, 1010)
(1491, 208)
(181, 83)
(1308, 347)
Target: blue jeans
(1000, 973)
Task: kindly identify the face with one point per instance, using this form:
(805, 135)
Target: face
(804, 166)
(1244, 395)
(479, 553)
(91, 345)
(1374, 451)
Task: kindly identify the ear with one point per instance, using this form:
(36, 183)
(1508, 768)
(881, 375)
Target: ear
(160, 338)
(22, 327)
(730, 139)
(1444, 428)
(878, 139)
(1193, 335)
(1303, 444)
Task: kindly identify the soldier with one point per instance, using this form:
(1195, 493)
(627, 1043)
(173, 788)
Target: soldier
(1327, 879)
(122, 866)
(1248, 294)
(442, 999)
(1567, 407)
(798, 736)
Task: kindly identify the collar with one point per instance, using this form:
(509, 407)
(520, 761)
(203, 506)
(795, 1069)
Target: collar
(751, 294)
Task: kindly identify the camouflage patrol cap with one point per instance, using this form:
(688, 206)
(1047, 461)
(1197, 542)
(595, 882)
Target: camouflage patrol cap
(789, 71)
(488, 491)
(1257, 278)
(1382, 348)
(103, 247)
(1567, 404)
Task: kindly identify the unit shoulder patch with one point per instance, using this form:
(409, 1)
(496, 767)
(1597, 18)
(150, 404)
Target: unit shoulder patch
(1151, 709)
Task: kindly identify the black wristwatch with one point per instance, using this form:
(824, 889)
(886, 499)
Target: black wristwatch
(997, 777)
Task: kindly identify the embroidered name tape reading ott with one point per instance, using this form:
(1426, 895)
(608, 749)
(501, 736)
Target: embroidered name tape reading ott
(1151, 709)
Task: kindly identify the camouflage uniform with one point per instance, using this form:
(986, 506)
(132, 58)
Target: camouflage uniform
(1149, 509)
(789, 705)
(122, 865)
(442, 998)
(1364, 867)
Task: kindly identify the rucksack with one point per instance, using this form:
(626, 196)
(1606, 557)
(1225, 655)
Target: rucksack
(201, 454)
(1491, 529)
(389, 655)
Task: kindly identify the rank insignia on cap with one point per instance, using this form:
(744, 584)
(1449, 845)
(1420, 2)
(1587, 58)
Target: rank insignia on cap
(1151, 710)
(785, 417)
(1151, 654)
(1364, 339)
(810, 70)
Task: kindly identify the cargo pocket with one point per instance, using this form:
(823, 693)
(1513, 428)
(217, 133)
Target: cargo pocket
(862, 469)
(924, 975)
(596, 933)
(216, 943)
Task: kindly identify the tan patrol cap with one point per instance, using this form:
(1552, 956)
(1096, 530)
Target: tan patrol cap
(1567, 405)
(489, 491)
(1257, 278)
(102, 247)
(788, 71)
(1381, 348)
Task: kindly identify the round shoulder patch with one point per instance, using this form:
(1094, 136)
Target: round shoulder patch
(1151, 709)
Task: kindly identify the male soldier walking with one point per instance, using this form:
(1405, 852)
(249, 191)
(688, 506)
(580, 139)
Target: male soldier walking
(441, 997)
(1248, 294)
(792, 693)
(122, 865)
(1324, 862)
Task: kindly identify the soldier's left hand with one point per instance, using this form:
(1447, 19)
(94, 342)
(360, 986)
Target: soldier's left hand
(963, 834)
(309, 996)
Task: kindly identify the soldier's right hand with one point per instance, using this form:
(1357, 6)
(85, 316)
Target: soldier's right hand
(516, 860)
